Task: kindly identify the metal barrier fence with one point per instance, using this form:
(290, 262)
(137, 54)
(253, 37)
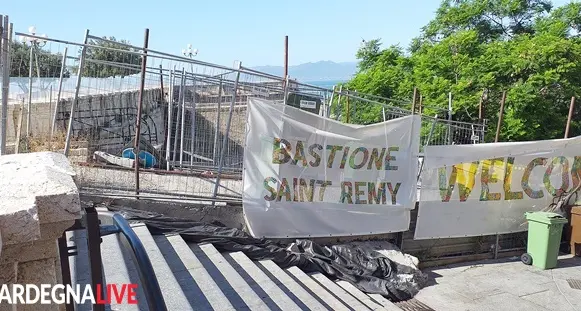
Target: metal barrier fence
(88, 99)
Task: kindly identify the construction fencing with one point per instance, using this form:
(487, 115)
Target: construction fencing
(88, 100)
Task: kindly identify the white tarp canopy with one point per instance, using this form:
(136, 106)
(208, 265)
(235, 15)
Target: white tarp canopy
(472, 190)
(309, 176)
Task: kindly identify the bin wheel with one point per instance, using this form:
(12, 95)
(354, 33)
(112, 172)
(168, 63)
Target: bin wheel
(526, 259)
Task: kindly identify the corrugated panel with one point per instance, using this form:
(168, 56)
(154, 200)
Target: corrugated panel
(413, 305)
(574, 284)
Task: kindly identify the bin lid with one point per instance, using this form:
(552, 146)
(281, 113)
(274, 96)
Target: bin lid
(545, 217)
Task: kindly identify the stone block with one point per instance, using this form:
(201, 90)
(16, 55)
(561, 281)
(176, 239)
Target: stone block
(54, 230)
(29, 251)
(8, 273)
(7, 307)
(38, 272)
(35, 188)
(18, 219)
(39, 200)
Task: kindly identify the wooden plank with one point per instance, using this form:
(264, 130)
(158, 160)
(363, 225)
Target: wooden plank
(460, 259)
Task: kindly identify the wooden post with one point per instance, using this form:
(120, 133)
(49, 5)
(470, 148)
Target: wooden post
(500, 116)
(570, 116)
(480, 108)
(420, 104)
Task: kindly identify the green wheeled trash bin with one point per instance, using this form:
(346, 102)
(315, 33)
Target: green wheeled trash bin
(544, 238)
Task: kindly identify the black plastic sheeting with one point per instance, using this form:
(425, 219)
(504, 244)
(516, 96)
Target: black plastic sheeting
(369, 271)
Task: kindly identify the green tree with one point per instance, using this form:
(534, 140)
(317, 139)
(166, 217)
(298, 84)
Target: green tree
(111, 58)
(368, 53)
(523, 47)
(491, 19)
(48, 64)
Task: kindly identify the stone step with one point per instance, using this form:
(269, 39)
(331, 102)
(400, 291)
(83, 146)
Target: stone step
(242, 295)
(79, 265)
(119, 268)
(339, 292)
(261, 282)
(175, 296)
(208, 292)
(384, 302)
(370, 302)
(198, 277)
(317, 289)
(296, 290)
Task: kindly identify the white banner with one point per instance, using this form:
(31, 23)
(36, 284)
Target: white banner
(308, 176)
(472, 190)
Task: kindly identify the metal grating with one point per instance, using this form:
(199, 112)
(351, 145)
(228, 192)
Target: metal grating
(413, 305)
(574, 284)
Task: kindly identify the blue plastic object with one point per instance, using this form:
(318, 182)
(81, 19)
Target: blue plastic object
(146, 159)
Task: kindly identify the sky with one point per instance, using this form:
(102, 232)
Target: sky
(225, 31)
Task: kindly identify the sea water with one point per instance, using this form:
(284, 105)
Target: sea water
(326, 84)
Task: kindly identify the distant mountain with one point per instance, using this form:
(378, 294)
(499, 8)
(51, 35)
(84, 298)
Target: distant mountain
(318, 71)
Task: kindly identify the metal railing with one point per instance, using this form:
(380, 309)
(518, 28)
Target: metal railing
(97, 225)
(192, 119)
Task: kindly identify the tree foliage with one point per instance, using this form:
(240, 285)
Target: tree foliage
(478, 49)
(49, 64)
(110, 58)
(368, 53)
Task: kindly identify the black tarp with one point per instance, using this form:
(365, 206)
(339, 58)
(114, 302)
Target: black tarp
(369, 271)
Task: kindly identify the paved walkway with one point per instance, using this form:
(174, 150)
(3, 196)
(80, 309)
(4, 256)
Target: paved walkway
(503, 285)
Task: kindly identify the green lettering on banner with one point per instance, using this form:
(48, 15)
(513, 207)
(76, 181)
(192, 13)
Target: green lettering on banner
(359, 192)
(376, 158)
(564, 164)
(466, 183)
(533, 194)
(295, 189)
(268, 188)
(393, 191)
(284, 190)
(487, 177)
(458, 176)
(576, 171)
(363, 161)
(344, 158)
(510, 195)
(315, 154)
(376, 195)
(307, 191)
(352, 192)
(389, 158)
(281, 155)
(346, 193)
(300, 154)
(323, 184)
(446, 186)
(333, 149)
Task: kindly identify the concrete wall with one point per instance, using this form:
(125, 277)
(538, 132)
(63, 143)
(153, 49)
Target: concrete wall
(105, 121)
(38, 202)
